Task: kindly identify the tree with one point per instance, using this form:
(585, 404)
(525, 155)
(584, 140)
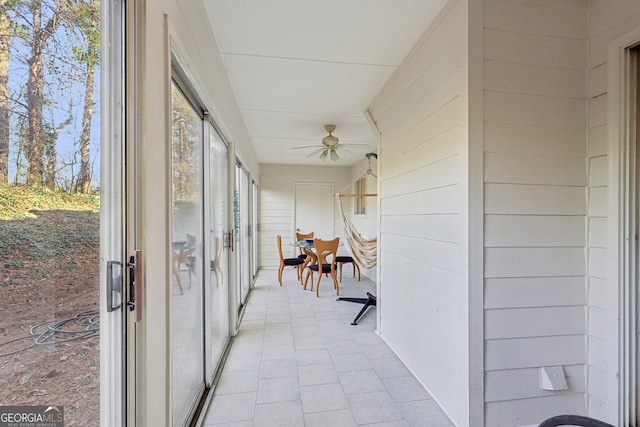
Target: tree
(54, 53)
(5, 42)
(40, 34)
(50, 153)
(88, 21)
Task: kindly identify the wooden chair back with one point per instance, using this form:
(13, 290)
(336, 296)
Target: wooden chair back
(279, 239)
(297, 262)
(303, 236)
(326, 251)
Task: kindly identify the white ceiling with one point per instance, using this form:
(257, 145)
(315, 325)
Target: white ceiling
(296, 65)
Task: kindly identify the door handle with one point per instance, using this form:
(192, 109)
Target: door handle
(114, 286)
(135, 284)
(132, 283)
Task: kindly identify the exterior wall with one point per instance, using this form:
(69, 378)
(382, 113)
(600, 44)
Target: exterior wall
(421, 115)
(277, 204)
(608, 21)
(535, 56)
(166, 26)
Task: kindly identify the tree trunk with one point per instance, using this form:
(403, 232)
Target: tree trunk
(35, 143)
(4, 97)
(34, 106)
(50, 156)
(84, 180)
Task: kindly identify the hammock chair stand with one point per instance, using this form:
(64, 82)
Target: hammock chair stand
(370, 301)
(362, 250)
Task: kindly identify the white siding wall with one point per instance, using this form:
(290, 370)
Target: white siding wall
(608, 21)
(277, 209)
(535, 206)
(421, 114)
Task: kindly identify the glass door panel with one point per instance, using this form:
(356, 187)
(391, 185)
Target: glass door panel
(255, 229)
(219, 258)
(50, 239)
(245, 227)
(187, 327)
(242, 235)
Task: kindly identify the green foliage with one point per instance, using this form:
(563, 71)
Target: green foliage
(67, 33)
(43, 232)
(20, 201)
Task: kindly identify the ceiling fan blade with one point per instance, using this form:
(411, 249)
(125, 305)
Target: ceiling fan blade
(344, 149)
(355, 144)
(306, 146)
(315, 153)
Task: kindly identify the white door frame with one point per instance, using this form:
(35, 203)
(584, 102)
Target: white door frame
(209, 250)
(299, 185)
(621, 384)
(113, 404)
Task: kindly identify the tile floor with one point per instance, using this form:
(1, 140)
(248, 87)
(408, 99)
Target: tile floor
(297, 361)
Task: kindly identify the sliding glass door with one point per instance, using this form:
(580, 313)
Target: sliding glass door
(218, 283)
(187, 305)
(255, 229)
(201, 243)
(243, 228)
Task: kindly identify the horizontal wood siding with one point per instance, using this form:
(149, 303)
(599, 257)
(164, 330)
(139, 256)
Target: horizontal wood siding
(608, 21)
(421, 114)
(535, 174)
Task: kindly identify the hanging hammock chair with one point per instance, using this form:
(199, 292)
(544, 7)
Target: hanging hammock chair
(364, 251)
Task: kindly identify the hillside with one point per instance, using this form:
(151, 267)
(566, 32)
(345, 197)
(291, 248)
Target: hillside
(49, 273)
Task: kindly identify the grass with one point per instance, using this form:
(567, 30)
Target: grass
(20, 201)
(44, 232)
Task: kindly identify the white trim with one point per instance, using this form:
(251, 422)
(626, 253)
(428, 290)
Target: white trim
(618, 62)
(152, 365)
(475, 209)
(112, 366)
(209, 372)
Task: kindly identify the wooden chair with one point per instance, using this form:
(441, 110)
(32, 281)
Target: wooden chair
(217, 268)
(284, 262)
(303, 236)
(307, 255)
(185, 256)
(342, 260)
(573, 420)
(326, 253)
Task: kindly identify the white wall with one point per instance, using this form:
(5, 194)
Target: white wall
(421, 114)
(608, 21)
(277, 204)
(535, 206)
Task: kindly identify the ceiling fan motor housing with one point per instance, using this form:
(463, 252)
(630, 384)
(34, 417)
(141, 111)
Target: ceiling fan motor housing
(330, 140)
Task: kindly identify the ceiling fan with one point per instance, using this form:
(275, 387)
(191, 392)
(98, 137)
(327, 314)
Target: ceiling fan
(330, 146)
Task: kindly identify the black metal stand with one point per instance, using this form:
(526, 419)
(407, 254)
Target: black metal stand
(370, 301)
(573, 420)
